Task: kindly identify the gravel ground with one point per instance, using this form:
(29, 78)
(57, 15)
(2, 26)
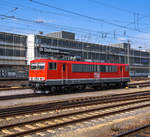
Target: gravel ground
(12, 83)
(31, 116)
(15, 92)
(52, 98)
(102, 127)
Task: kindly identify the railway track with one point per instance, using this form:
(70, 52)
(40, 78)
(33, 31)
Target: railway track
(83, 113)
(19, 96)
(143, 131)
(71, 103)
(130, 85)
(139, 84)
(23, 96)
(12, 88)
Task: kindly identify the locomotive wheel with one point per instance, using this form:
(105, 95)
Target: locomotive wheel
(72, 88)
(97, 87)
(53, 89)
(81, 87)
(46, 91)
(35, 91)
(118, 85)
(124, 84)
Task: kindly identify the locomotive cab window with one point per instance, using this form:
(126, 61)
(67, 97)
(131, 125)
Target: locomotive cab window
(37, 66)
(41, 66)
(33, 66)
(52, 66)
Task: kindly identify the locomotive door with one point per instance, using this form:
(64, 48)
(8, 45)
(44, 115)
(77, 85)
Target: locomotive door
(64, 72)
(121, 72)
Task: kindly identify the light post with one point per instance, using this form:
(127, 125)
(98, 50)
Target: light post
(128, 53)
(140, 53)
(82, 51)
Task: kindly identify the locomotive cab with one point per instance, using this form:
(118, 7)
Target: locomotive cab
(37, 71)
(37, 75)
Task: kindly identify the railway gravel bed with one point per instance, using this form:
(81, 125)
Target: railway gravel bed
(19, 96)
(107, 126)
(98, 110)
(31, 95)
(69, 103)
(15, 92)
(54, 98)
(136, 84)
(9, 119)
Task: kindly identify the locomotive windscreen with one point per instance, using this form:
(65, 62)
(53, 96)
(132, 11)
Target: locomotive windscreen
(37, 66)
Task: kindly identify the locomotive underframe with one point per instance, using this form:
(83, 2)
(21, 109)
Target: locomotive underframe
(49, 86)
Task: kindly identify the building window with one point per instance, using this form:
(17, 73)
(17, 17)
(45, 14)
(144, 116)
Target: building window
(126, 68)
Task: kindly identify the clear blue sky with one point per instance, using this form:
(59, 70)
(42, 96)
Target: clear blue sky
(105, 26)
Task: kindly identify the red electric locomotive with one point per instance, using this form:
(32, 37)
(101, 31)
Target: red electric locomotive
(48, 75)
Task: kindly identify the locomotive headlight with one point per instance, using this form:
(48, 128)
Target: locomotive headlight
(37, 78)
(42, 78)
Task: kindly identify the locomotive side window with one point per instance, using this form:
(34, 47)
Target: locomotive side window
(114, 68)
(52, 66)
(121, 68)
(64, 67)
(98, 68)
(108, 68)
(76, 67)
(103, 68)
(93, 68)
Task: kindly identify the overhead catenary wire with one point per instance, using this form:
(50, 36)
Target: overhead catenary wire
(137, 17)
(61, 26)
(96, 33)
(113, 31)
(34, 9)
(111, 6)
(85, 16)
(77, 29)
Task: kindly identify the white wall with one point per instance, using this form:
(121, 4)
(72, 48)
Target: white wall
(30, 48)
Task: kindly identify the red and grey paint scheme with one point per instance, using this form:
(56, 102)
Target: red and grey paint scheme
(46, 75)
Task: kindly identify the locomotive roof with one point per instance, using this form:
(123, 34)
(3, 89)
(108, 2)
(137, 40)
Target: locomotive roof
(76, 62)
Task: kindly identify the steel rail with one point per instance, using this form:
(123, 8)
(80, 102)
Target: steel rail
(23, 96)
(132, 131)
(66, 104)
(75, 120)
